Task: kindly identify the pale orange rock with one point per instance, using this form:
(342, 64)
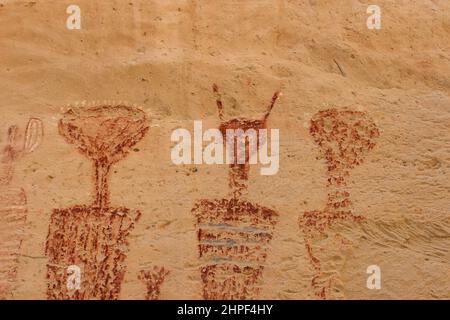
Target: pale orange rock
(164, 56)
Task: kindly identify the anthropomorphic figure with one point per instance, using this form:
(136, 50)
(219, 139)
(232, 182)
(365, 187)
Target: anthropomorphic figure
(344, 137)
(94, 237)
(13, 202)
(233, 232)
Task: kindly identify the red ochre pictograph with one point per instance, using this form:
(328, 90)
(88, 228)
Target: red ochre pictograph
(234, 233)
(94, 237)
(13, 202)
(153, 279)
(344, 138)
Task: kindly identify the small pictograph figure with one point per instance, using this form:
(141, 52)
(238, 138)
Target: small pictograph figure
(13, 201)
(233, 232)
(344, 138)
(153, 280)
(94, 237)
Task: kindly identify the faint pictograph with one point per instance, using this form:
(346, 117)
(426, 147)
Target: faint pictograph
(153, 279)
(94, 237)
(234, 233)
(13, 201)
(344, 138)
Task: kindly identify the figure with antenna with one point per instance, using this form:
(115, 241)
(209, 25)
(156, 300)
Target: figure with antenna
(233, 232)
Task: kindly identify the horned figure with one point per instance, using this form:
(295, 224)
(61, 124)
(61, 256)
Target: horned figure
(234, 233)
(13, 202)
